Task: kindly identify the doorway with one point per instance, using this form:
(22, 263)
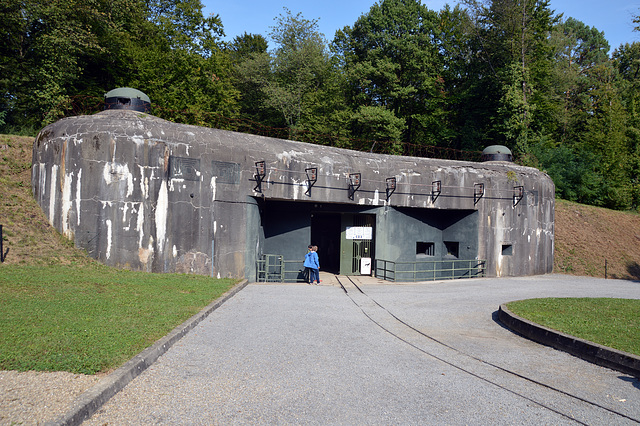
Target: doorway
(357, 242)
(325, 233)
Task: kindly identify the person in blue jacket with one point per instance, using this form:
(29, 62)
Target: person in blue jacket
(312, 265)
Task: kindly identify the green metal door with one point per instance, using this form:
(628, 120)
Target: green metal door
(356, 241)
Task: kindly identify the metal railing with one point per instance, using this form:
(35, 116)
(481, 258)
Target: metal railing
(272, 268)
(429, 270)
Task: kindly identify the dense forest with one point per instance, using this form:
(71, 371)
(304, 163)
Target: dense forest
(402, 79)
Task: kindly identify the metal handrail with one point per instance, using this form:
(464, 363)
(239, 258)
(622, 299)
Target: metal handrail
(429, 270)
(273, 268)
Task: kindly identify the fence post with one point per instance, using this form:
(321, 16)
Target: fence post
(1, 246)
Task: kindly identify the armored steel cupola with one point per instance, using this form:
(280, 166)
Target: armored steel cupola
(497, 153)
(127, 98)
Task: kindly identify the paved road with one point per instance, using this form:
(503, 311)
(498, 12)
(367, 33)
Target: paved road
(428, 353)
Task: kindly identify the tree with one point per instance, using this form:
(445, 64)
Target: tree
(244, 46)
(45, 50)
(463, 80)
(577, 50)
(626, 59)
(184, 27)
(178, 60)
(513, 35)
(604, 135)
(249, 58)
(391, 63)
(291, 76)
(56, 50)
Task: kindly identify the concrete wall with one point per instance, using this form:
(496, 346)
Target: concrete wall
(139, 192)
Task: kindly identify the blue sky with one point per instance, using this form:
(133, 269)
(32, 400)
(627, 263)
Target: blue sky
(614, 17)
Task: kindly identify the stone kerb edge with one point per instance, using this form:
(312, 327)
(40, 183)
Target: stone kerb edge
(91, 400)
(601, 355)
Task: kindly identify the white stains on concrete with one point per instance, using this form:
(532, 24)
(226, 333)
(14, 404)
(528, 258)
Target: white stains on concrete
(162, 209)
(66, 203)
(78, 196)
(499, 236)
(296, 188)
(140, 224)
(376, 198)
(42, 177)
(52, 194)
(144, 181)
(127, 222)
(124, 209)
(175, 251)
(327, 161)
(213, 187)
(116, 172)
(286, 156)
(109, 238)
(173, 186)
(267, 179)
(129, 177)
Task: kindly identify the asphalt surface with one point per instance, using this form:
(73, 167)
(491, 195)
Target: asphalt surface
(426, 353)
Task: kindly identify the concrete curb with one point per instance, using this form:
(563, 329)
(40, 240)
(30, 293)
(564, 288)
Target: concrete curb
(601, 355)
(91, 400)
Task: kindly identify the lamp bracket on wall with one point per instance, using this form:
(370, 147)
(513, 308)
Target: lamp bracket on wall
(354, 184)
(478, 192)
(312, 178)
(259, 176)
(518, 194)
(436, 190)
(391, 187)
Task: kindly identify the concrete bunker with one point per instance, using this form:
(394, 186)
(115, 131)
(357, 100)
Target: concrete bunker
(139, 192)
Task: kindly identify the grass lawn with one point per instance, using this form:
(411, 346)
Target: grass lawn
(610, 322)
(91, 319)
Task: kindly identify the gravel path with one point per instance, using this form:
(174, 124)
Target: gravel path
(283, 354)
(33, 398)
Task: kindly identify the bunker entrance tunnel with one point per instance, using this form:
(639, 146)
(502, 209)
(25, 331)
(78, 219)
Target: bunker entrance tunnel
(350, 237)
